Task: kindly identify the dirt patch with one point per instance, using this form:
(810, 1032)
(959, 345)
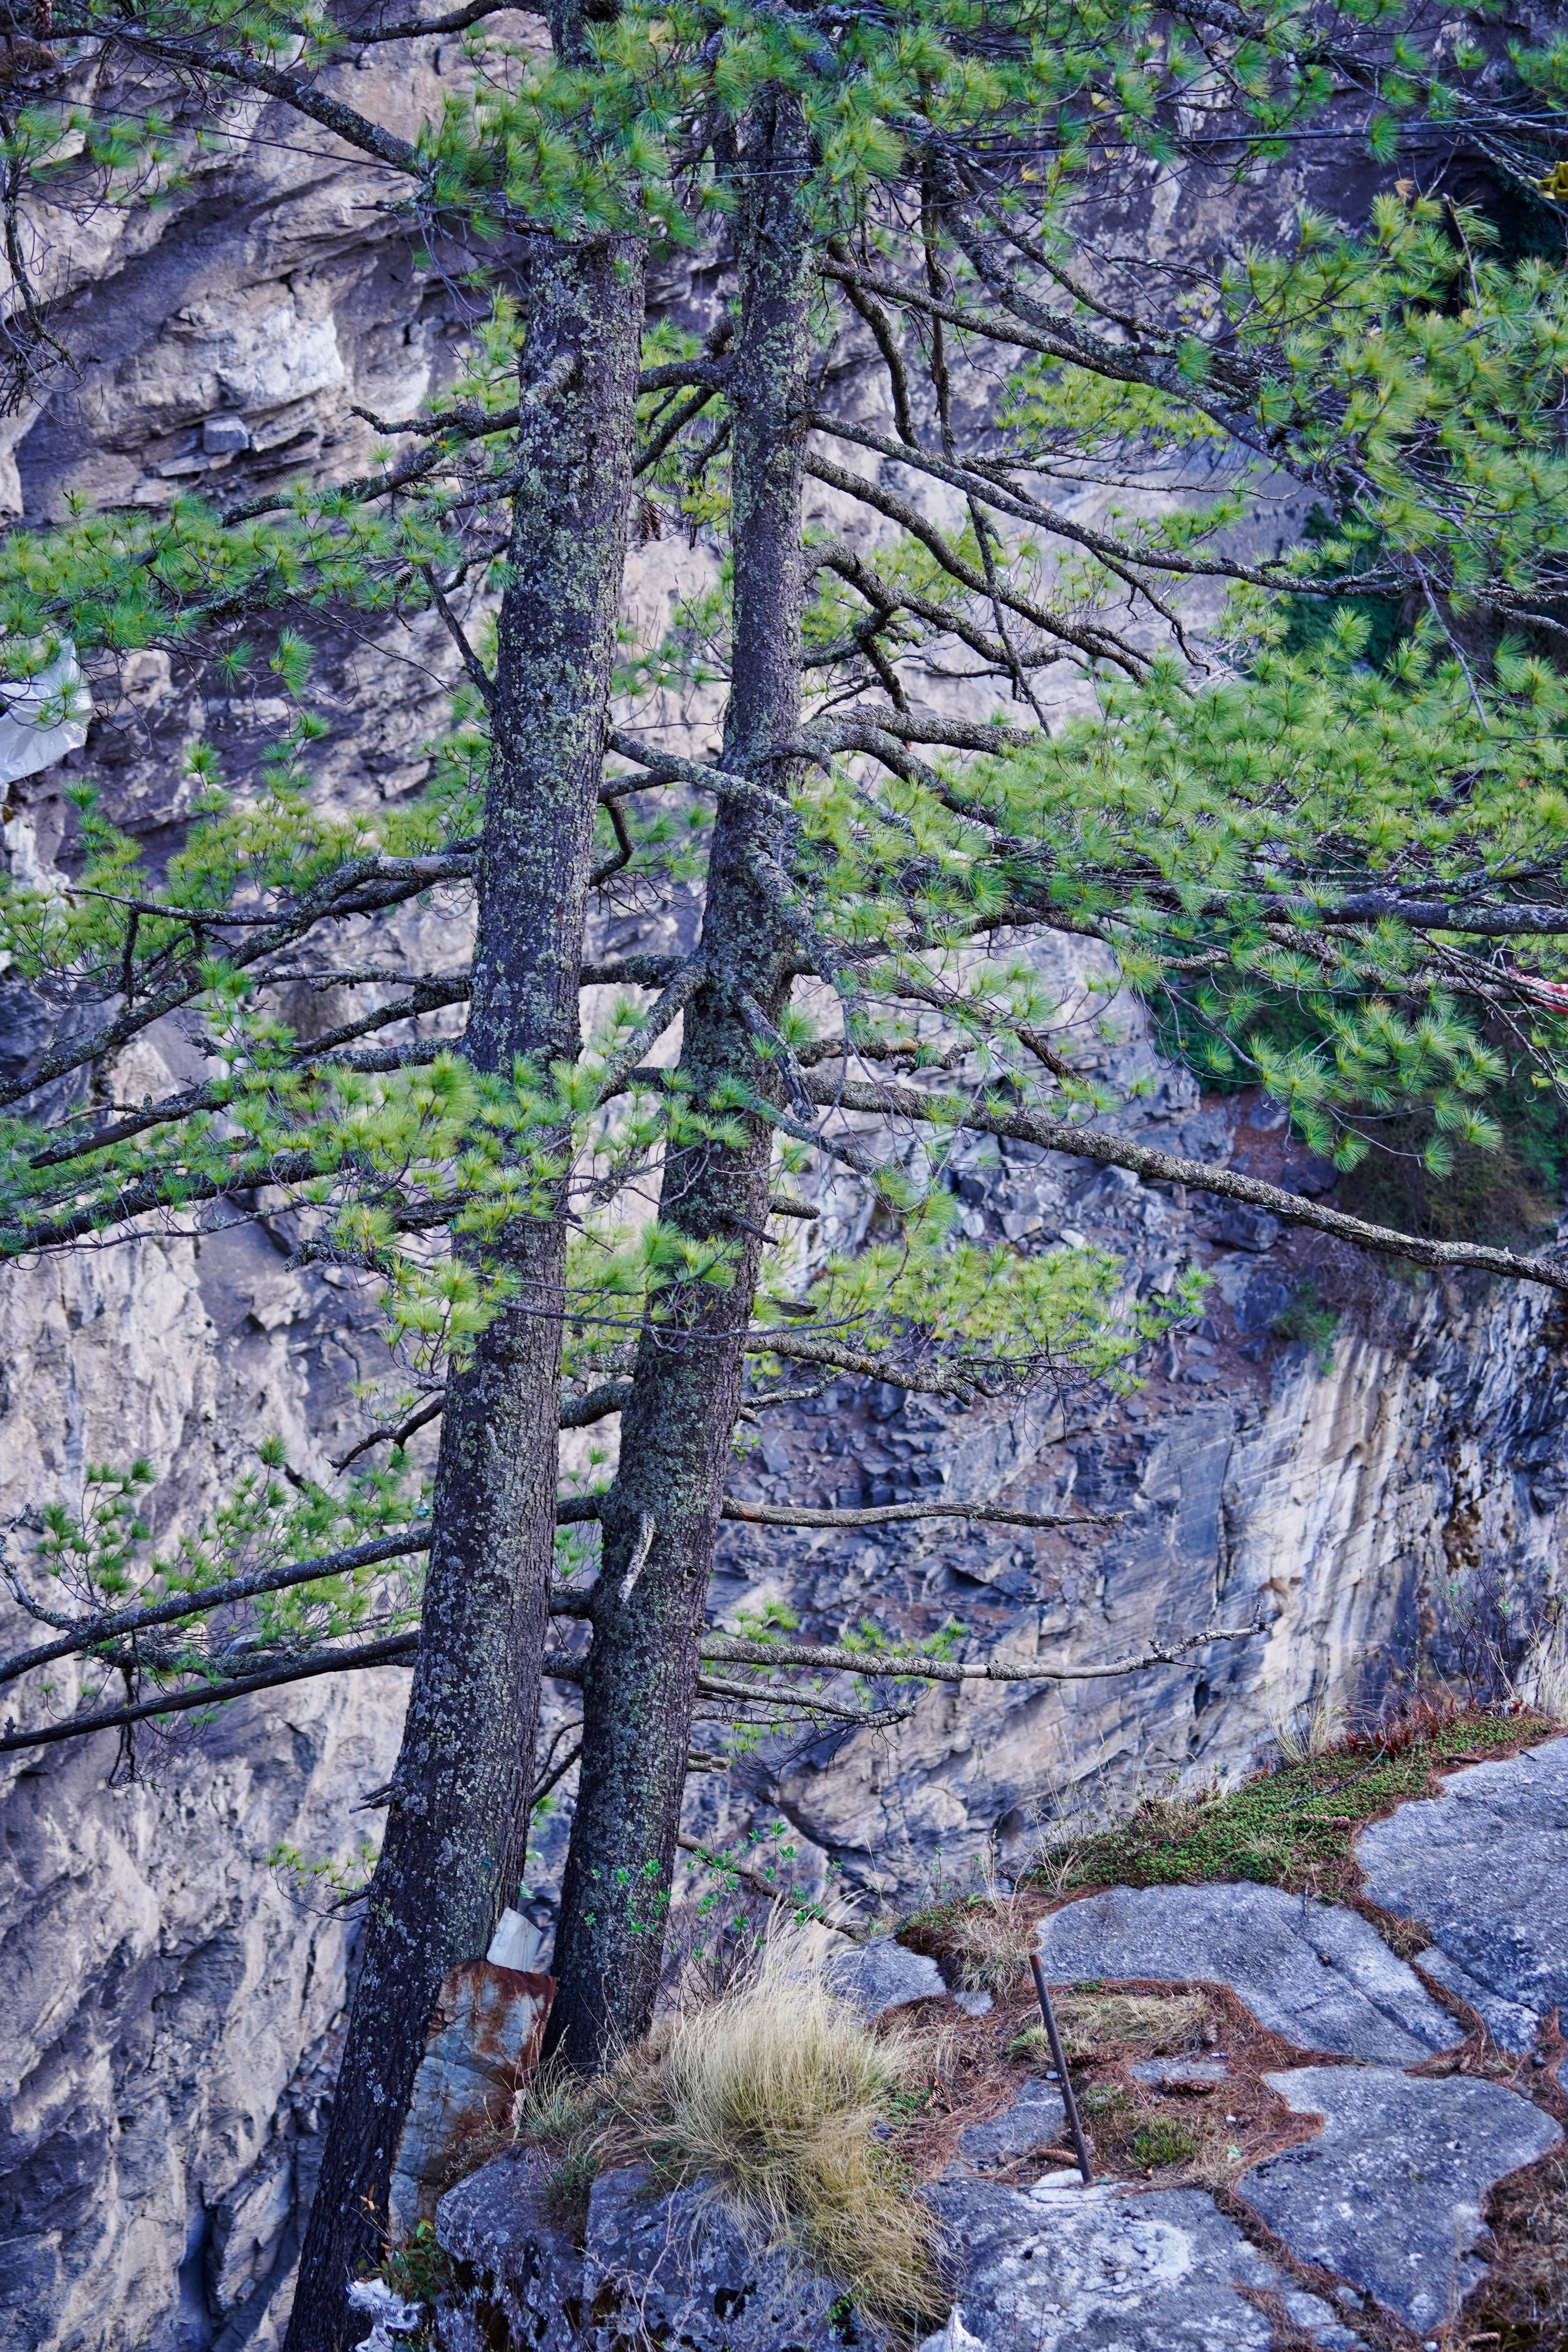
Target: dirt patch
(1197, 2133)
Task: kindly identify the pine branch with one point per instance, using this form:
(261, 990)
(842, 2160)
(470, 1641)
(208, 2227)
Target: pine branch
(420, 1418)
(664, 768)
(981, 482)
(1094, 643)
(474, 669)
(392, 1652)
(839, 1917)
(812, 1701)
(114, 1625)
(354, 129)
(560, 1666)
(409, 28)
(790, 1515)
(880, 1665)
(797, 1348)
(1165, 1167)
(660, 1016)
(342, 892)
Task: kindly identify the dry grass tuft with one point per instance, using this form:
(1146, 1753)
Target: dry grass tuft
(1522, 2305)
(1544, 1678)
(987, 1942)
(1133, 2024)
(779, 2092)
(1309, 1733)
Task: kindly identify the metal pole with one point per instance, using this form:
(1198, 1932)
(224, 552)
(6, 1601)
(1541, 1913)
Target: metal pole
(1063, 2077)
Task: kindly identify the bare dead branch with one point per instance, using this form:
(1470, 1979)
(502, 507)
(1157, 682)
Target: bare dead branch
(1165, 1167)
(883, 1665)
(789, 1515)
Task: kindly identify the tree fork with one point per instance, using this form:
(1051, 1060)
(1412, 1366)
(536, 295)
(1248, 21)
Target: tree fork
(661, 1516)
(458, 1819)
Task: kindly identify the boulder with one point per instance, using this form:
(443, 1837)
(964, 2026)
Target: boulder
(678, 2268)
(481, 2046)
(1316, 1974)
(1036, 2118)
(1389, 2195)
(880, 1976)
(524, 2274)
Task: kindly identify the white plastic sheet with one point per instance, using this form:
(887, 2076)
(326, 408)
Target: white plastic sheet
(44, 718)
(393, 2316)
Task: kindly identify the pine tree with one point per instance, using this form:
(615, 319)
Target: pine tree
(1301, 864)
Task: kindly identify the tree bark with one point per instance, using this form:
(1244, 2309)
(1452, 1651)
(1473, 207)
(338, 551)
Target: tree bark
(457, 1822)
(661, 1517)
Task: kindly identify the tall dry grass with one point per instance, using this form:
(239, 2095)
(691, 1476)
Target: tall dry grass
(1543, 1680)
(1308, 1732)
(778, 2092)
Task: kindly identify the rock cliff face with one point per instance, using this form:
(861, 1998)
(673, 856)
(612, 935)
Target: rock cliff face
(1398, 1500)
(168, 2033)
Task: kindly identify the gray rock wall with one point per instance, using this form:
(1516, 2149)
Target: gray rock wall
(1349, 1512)
(168, 2030)
(167, 2035)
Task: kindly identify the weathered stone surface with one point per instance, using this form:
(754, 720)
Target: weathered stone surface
(676, 2269)
(1389, 2195)
(1096, 2270)
(1036, 2118)
(954, 2337)
(880, 1976)
(682, 2270)
(1485, 1868)
(1318, 1975)
(528, 2274)
(1512, 2024)
(166, 2039)
(1194, 2074)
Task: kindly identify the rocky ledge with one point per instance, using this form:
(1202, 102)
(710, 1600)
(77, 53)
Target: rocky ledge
(1376, 2100)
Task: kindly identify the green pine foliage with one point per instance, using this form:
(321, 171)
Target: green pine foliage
(1221, 826)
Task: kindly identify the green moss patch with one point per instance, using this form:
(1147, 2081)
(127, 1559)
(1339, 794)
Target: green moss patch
(1294, 1826)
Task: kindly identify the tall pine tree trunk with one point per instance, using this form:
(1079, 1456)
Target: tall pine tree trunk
(661, 1518)
(457, 1822)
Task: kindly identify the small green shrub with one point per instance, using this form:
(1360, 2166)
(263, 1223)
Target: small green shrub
(1163, 2143)
(1308, 1319)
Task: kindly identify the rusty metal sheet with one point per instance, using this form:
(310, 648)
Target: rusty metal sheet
(482, 2043)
